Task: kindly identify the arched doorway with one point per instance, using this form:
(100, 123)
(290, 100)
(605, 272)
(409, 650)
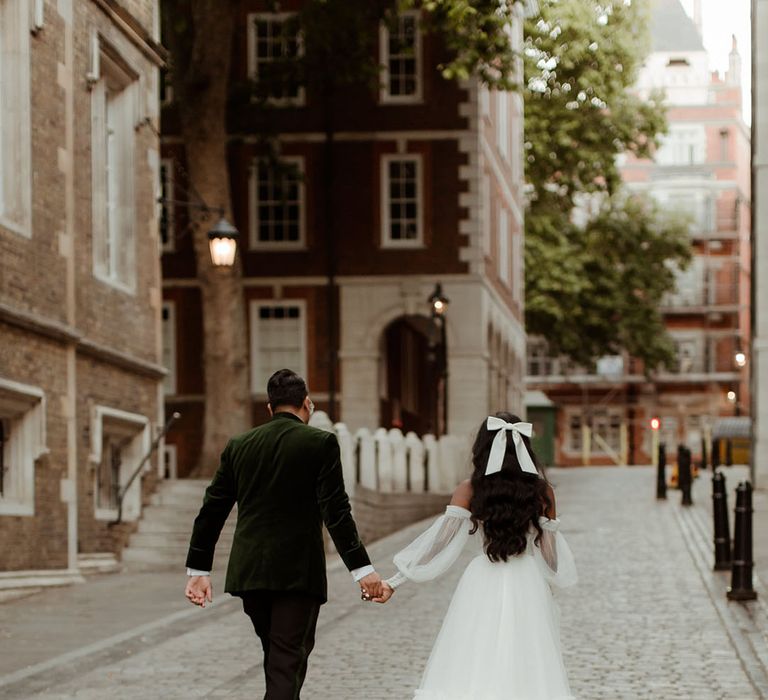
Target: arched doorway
(412, 386)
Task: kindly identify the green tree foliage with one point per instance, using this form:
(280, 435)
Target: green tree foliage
(595, 289)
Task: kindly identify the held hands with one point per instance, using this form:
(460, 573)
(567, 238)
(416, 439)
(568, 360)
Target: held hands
(371, 586)
(386, 594)
(383, 597)
(199, 590)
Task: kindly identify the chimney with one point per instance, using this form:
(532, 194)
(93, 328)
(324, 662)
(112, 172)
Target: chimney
(734, 64)
(697, 14)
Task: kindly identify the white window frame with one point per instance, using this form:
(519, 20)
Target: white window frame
(386, 240)
(113, 221)
(168, 165)
(24, 407)
(253, 198)
(537, 354)
(690, 285)
(611, 412)
(258, 388)
(134, 427)
(695, 339)
(15, 128)
(170, 382)
(675, 149)
(253, 64)
(385, 97)
(517, 263)
(488, 191)
(504, 253)
(503, 108)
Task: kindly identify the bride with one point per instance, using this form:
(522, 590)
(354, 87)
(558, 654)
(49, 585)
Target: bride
(500, 639)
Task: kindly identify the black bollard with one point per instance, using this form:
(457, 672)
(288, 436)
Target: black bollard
(720, 516)
(661, 475)
(741, 569)
(728, 453)
(704, 459)
(684, 474)
(715, 453)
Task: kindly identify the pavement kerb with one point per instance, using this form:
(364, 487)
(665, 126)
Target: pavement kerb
(745, 623)
(380, 551)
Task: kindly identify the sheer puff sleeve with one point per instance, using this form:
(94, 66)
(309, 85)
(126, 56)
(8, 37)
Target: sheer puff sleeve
(554, 556)
(434, 551)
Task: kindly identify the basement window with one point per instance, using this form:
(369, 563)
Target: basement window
(119, 442)
(22, 443)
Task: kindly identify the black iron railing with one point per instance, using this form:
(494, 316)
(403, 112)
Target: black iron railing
(123, 490)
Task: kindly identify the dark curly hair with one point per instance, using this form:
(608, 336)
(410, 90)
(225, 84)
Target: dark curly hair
(507, 504)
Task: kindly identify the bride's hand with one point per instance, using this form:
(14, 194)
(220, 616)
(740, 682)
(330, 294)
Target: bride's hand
(387, 592)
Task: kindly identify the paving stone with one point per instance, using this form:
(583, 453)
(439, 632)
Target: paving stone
(640, 624)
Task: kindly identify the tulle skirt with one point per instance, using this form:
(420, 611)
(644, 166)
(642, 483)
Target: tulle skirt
(500, 639)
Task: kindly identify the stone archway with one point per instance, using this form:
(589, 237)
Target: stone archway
(410, 386)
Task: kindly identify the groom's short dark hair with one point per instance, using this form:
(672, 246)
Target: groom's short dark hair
(286, 388)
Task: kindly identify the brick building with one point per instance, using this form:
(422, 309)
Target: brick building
(80, 297)
(703, 170)
(426, 189)
(759, 349)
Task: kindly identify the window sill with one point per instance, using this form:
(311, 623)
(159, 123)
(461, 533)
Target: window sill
(115, 284)
(277, 247)
(403, 245)
(11, 508)
(23, 230)
(109, 514)
(395, 101)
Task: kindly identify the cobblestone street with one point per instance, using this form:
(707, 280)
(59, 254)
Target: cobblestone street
(647, 620)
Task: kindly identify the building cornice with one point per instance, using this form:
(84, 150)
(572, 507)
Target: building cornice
(134, 31)
(65, 334)
(29, 321)
(120, 359)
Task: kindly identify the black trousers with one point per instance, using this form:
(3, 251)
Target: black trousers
(285, 623)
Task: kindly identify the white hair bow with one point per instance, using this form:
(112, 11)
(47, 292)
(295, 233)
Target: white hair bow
(499, 446)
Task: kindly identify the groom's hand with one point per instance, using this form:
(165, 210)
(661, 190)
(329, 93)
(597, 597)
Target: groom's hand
(199, 590)
(371, 586)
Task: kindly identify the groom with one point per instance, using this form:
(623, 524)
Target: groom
(286, 479)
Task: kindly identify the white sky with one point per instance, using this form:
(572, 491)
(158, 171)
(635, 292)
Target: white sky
(721, 19)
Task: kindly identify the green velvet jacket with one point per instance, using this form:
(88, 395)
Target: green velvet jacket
(287, 481)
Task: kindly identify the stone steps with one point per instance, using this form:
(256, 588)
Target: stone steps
(162, 536)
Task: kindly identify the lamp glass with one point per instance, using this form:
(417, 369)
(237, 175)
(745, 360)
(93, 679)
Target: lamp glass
(223, 251)
(740, 358)
(438, 301)
(731, 395)
(222, 240)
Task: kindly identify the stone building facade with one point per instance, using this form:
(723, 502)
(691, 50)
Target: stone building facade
(759, 348)
(702, 170)
(80, 291)
(426, 189)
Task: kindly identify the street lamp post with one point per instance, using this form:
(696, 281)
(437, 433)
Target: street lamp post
(222, 238)
(438, 304)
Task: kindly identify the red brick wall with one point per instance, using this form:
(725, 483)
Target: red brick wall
(39, 541)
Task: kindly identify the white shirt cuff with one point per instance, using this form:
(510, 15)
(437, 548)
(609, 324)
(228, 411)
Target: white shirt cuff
(362, 572)
(197, 572)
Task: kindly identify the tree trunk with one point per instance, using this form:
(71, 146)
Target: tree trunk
(202, 52)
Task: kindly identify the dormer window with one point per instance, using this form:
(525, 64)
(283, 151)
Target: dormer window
(678, 63)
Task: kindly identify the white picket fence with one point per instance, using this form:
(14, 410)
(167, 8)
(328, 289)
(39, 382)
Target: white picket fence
(390, 462)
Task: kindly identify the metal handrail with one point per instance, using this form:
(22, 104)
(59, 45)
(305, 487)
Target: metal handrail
(152, 448)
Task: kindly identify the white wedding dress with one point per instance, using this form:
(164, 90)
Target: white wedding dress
(500, 639)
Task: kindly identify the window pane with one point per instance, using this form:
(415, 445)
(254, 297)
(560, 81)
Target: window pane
(403, 205)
